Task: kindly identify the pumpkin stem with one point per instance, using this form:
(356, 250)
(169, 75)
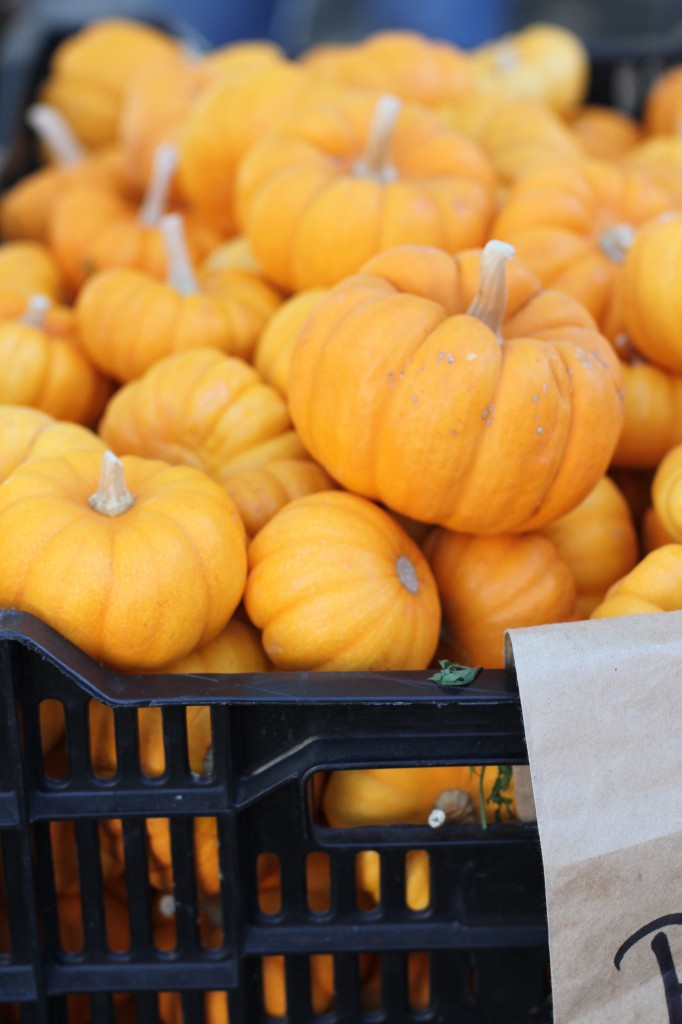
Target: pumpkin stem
(156, 197)
(615, 241)
(451, 805)
(38, 306)
(112, 497)
(55, 134)
(490, 301)
(506, 57)
(180, 271)
(375, 162)
(407, 574)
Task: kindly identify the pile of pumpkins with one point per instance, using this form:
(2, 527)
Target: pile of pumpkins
(348, 362)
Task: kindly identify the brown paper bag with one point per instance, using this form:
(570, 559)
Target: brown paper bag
(602, 711)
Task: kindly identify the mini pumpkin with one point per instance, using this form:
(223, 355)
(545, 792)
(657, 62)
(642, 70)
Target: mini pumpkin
(544, 62)
(652, 301)
(25, 208)
(666, 493)
(485, 404)
(27, 433)
(604, 132)
(335, 584)
(654, 585)
(45, 367)
(91, 70)
(92, 228)
(653, 410)
(272, 355)
(136, 569)
(343, 180)
(573, 224)
(598, 541)
(128, 320)
(28, 268)
(663, 105)
(490, 584)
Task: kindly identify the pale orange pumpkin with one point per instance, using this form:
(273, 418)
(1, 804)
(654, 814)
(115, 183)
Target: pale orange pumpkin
(137, 569)
(666, 493)
(661, 157)
(484, 406)
(654, 534)
(653, 410)
(544, 62)
(128, 320)
(490, 584)
(335, 584)
(342, 180)
(28, 268)
(663, 106)
(27, 433)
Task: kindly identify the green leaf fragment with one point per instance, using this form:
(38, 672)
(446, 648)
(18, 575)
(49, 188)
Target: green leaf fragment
(452, 674)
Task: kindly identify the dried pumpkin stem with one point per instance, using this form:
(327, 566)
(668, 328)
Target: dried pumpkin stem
(156, 197)
(38, 306)
(451, 805)
(490, 301)
(376, 160)
(615, 241)
(180, 271)
(55, 134)
(112, 497)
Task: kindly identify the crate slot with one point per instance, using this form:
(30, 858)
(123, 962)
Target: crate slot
(318, 882)
(268, 883)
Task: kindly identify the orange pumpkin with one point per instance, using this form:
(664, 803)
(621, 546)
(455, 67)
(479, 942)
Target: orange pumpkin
(663, 106)
(499, 398)
(259, 493)
(651, 297)
(343, 180)
(245, 103)
(335, 584)
(404, 63)
(27, 433)
(128, 320)
(666, 493)
(161, 97)
(573, 224)
(93, 228)
(654, 534)
(490, 584)
(91, 70)
(604, 132)
(661, 158)
(272, 355)
(45, 367)
(598, 542)
(542, 62)
(653, 411)
(25, 208)
(28, 268)
(135, 571)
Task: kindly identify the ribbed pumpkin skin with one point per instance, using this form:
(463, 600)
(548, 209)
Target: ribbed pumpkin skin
(654, 585)
(663, 106)
(201, 408)
(312, 219)
(666, 493)
(272, 356)
(490, 584)
(260, 492)
(388, 796)
(128, 321)
(556, 215)
(27, 433)
(598, 541)
(605, 133)
(653, 303)
(653, 415)
(654, 535)
(138, 589)
(29, 268)
(45, 367)
(324, 586)
(436, 419)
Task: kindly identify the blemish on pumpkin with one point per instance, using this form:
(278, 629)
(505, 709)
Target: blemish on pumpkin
(472, 355)
(535, 398)
(451, 358)
(441, 355)
(538, 430)
(407, 574)
(415, 399)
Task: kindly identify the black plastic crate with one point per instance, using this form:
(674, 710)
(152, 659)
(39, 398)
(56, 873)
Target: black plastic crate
(484, 928)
